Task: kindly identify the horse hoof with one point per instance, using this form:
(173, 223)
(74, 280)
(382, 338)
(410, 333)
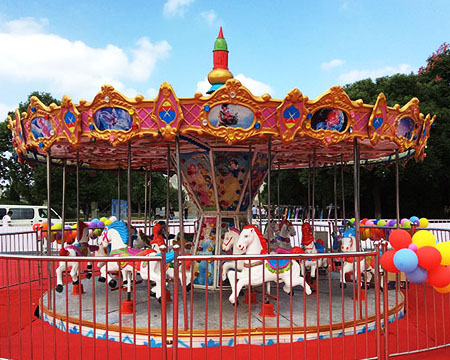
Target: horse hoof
(112, 283)
(343, 284)
(59, 288)
(159, 300)
(89, 267)
(152, 294)
(101, 279)
(88, 275)
(75, 282)
(188, 287)
(236, 303)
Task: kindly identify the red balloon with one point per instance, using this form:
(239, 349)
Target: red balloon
(439, 276)
(429, 257)
(387, 261)
(363, 221)
(399, 239)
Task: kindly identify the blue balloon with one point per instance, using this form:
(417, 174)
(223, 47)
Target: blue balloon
(417, 276)
(95, 220)
(406, 260)
(413, 219)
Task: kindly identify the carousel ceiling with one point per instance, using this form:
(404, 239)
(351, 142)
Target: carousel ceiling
(100, 133)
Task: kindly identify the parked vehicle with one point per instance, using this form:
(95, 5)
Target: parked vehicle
(24, 215)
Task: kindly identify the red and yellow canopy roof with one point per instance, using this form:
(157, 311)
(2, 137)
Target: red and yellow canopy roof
(99, 131)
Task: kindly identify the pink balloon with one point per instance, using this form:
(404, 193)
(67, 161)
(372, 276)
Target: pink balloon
(413, 247)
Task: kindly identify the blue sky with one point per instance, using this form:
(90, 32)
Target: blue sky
(73, 47)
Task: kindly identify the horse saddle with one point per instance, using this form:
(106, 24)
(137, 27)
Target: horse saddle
(278, 266)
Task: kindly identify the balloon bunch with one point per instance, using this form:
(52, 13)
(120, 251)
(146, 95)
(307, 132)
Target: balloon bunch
(97, 226)
(420, 258)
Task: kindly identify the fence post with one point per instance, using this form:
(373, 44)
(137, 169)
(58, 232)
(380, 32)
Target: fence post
(163, 300)
(176, 273)
(378, 300)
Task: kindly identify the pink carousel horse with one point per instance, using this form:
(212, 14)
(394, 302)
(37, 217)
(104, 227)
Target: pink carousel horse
(311, 247)
(251, 241)
(79, 248)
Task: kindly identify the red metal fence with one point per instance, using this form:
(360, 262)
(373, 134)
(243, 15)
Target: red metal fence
(373, 318)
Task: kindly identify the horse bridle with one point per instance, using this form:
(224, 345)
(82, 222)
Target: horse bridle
(234, 230)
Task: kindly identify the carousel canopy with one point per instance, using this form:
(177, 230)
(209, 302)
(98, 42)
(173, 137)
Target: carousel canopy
(99, 132)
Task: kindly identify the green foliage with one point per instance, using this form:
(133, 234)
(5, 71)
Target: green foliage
(424, 186)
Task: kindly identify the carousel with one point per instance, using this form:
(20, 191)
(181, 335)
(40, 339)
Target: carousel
(223, 147)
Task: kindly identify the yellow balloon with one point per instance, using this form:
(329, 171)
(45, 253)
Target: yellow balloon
(423, 222)
(424, 238)
(443, 290)
(444, 249)
(108, 222)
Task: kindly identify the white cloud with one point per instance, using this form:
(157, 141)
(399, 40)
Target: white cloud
(256, 87)
(26, 25)
(176, 7)
(5, 109)
(203, 86)
(332, 64)
(210, 16)
(60, 65)
(355, 75)
(151, 93)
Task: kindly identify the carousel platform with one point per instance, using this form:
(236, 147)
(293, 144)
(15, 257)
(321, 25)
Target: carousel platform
(212, 320)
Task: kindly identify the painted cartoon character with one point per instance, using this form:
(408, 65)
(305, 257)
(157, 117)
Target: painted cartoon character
(206, 247)
(234, 167)
(333, 120)
(226, 117)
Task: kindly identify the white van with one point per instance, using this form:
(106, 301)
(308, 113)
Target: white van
(24, 215)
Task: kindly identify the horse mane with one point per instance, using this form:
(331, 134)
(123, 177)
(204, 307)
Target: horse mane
(234, 230)
(307, 237)
(350, 232)
(260, 236)
(121, 228)
(80, 229)
(158, 239)
(284, 221)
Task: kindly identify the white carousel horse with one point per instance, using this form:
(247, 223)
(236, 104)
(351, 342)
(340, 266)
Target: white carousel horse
(281, 238)
(349, 245)
(311, 247)
(79, 248)
(229, 241)
(116, 235)
(251, 241)
(156, 244)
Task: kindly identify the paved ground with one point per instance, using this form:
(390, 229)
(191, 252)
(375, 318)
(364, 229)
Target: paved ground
(319, 307)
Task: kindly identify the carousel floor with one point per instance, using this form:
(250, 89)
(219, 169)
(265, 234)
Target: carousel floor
(326, 315)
